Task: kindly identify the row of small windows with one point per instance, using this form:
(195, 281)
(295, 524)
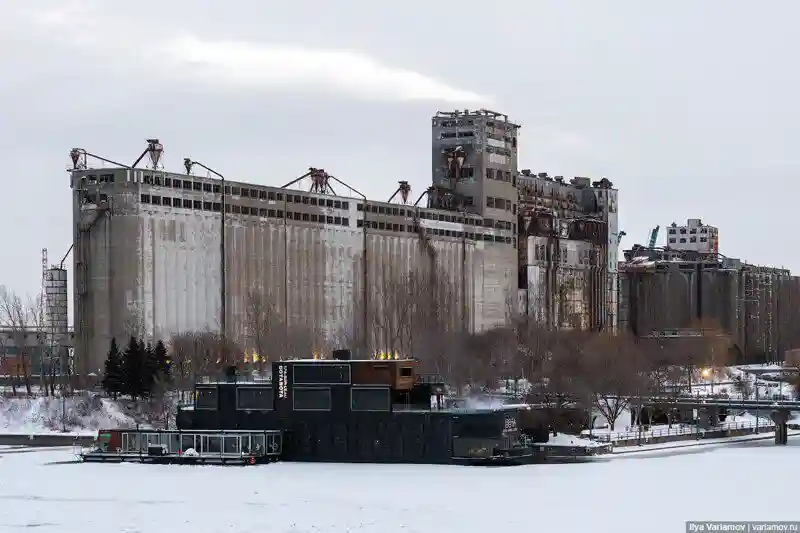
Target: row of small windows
(498, 150)
(460, 134)
(673, 240)
(245, 192)
(402, 212)
(303, 398)
(237, 209)
(93, 179)
(501, 203)
(585, 257)
(500, 175)
(361, 399)
(692, 231)
(404, 228)
(486, 223)
(456, 123)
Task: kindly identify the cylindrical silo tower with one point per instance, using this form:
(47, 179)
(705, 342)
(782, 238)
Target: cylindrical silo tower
(55, 313)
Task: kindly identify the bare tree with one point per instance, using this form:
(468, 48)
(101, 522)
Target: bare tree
(44, 345)
(202, 354)
(412, 312)
(615, 371)
(16, 316)
(134, 323)
(743, 387)
(792, 358)
(263, 324)
(273, 338)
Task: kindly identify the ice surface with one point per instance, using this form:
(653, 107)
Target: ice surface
(752, 480)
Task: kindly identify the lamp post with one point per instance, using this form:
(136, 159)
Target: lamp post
(188, 164)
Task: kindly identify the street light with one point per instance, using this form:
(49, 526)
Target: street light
(188, 164)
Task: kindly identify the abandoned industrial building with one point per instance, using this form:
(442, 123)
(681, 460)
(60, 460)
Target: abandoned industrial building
(177, 252)
(672, 293)
(148, 242)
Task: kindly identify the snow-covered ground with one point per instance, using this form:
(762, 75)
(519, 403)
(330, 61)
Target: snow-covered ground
(563, 439)
(43, 490)
(84, 415)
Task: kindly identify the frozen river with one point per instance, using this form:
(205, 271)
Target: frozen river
(650, 492)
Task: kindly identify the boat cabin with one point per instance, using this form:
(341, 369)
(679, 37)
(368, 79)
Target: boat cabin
(349, 410)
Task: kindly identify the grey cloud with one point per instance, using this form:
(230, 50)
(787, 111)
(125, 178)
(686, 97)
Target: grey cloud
(690, 108)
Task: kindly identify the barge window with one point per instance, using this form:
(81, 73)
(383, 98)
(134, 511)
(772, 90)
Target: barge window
(321, 374)
(370, 399)
(206, 398)
(308, 399)
(254, 398)
(478, 426)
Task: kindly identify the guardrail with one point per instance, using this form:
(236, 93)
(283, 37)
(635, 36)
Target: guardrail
(676, 431)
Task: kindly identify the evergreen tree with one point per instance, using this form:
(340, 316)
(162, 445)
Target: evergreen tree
(162, 362)
(113, 379)
(132, 366)
(149, 369)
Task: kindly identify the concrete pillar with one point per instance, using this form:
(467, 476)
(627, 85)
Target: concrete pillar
(781, 417)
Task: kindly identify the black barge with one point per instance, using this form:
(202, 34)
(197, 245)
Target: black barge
(337, 410)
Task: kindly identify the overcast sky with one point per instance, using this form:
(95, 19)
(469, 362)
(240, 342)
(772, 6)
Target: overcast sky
(690, 107)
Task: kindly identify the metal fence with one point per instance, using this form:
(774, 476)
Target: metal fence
(677, 430)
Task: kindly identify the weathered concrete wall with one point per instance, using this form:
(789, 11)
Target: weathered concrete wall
(566, 287)
(155, 270)
(759, 311)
